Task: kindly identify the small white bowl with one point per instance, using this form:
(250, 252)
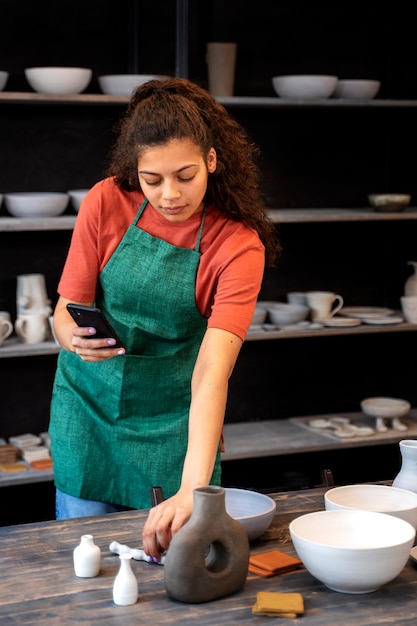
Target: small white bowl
(378, 498)
(389, 202)
(357, 88)
(76, 197)
(286, 313)
(304, 85)
(125, 84)
(254, 510)
(352, 551)
(4, 77)
(259, 315)
(58, 80)
(36, 204)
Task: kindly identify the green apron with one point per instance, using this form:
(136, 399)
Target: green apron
(120, 427)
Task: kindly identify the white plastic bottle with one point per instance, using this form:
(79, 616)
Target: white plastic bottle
(87, 558)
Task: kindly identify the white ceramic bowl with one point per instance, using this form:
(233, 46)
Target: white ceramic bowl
(254, 510)
(36, 204)
(356, 88)
(385, 407)
(58, 80)
(389, 201)
(378, 498)
(286, 313)
(4, 77)
(259, 315)
(76, 197)
(304, 85)
(352, 551)
(125, 84)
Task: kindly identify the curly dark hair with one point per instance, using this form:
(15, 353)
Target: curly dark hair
(176, 108)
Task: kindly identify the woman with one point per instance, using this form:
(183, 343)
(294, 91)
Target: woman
(171, 245)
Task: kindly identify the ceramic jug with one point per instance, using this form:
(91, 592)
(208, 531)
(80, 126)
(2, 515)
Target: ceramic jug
(87, 558)
(410, 287)
(125, 586)
(407, 476)
(31, 294)
(208, 557)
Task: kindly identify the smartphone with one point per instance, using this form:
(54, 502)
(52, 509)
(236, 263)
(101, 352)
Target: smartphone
(92, 316)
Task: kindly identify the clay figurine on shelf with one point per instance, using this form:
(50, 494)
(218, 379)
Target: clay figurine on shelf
(386, 410)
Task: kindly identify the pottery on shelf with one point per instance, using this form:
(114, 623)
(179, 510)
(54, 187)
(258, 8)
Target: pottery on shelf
(410, 287)
(208, 557)
(407, 476)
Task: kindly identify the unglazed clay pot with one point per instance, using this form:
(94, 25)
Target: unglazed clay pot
(209, 557)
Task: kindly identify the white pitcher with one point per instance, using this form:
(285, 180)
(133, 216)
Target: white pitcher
(31, 294)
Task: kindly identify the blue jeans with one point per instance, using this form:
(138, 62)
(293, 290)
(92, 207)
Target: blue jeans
(67, 506)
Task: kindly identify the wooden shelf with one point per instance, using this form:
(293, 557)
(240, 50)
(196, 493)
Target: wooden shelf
(15, 224)
(242, 102)
(13, 347)
(256, 439)
(24, 478)
(295, 216)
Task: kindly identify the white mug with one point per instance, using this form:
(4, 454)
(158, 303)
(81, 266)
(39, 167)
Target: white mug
(6, 326)
(323, 304)
(221, 61)
(31, 327)
(409, 308)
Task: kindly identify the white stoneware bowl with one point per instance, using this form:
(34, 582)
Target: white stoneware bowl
(286, 313)
(58, 80)
(4, 77)
(356, 88)
(36, 204)
(304, 85)
(388, 408)
(352, 551)
(378, 498)
(389, 201)
(254, 510)
(259, 315)
(76, 197)
(125, 84)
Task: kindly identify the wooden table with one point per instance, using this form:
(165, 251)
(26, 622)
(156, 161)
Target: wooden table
(38, 584)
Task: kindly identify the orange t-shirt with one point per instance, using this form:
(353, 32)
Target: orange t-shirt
(231, 264)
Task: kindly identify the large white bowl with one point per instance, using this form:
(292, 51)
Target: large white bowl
(4, 76)
(125, 84)
(254, 510)
(58, 80)
(304, 85)
(286, 313)
(36, 204)
(76, 197)
(352, 551)
(356, 88)
(378, 498)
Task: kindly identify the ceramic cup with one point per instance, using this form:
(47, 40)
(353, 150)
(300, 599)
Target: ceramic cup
(409, 308)
(297, 297)
(31, 327)
(221, 61)
(323, 304)
(6, 326)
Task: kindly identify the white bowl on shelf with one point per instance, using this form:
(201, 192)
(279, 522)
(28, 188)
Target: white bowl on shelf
(385, 407)
(76, 197)
(304, 85)
(36, 203)
(286, 313)
(356, 88)
(4, 77)
(125, 84)
(58, 80)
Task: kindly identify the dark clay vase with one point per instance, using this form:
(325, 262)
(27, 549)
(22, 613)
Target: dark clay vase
(209, 557)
